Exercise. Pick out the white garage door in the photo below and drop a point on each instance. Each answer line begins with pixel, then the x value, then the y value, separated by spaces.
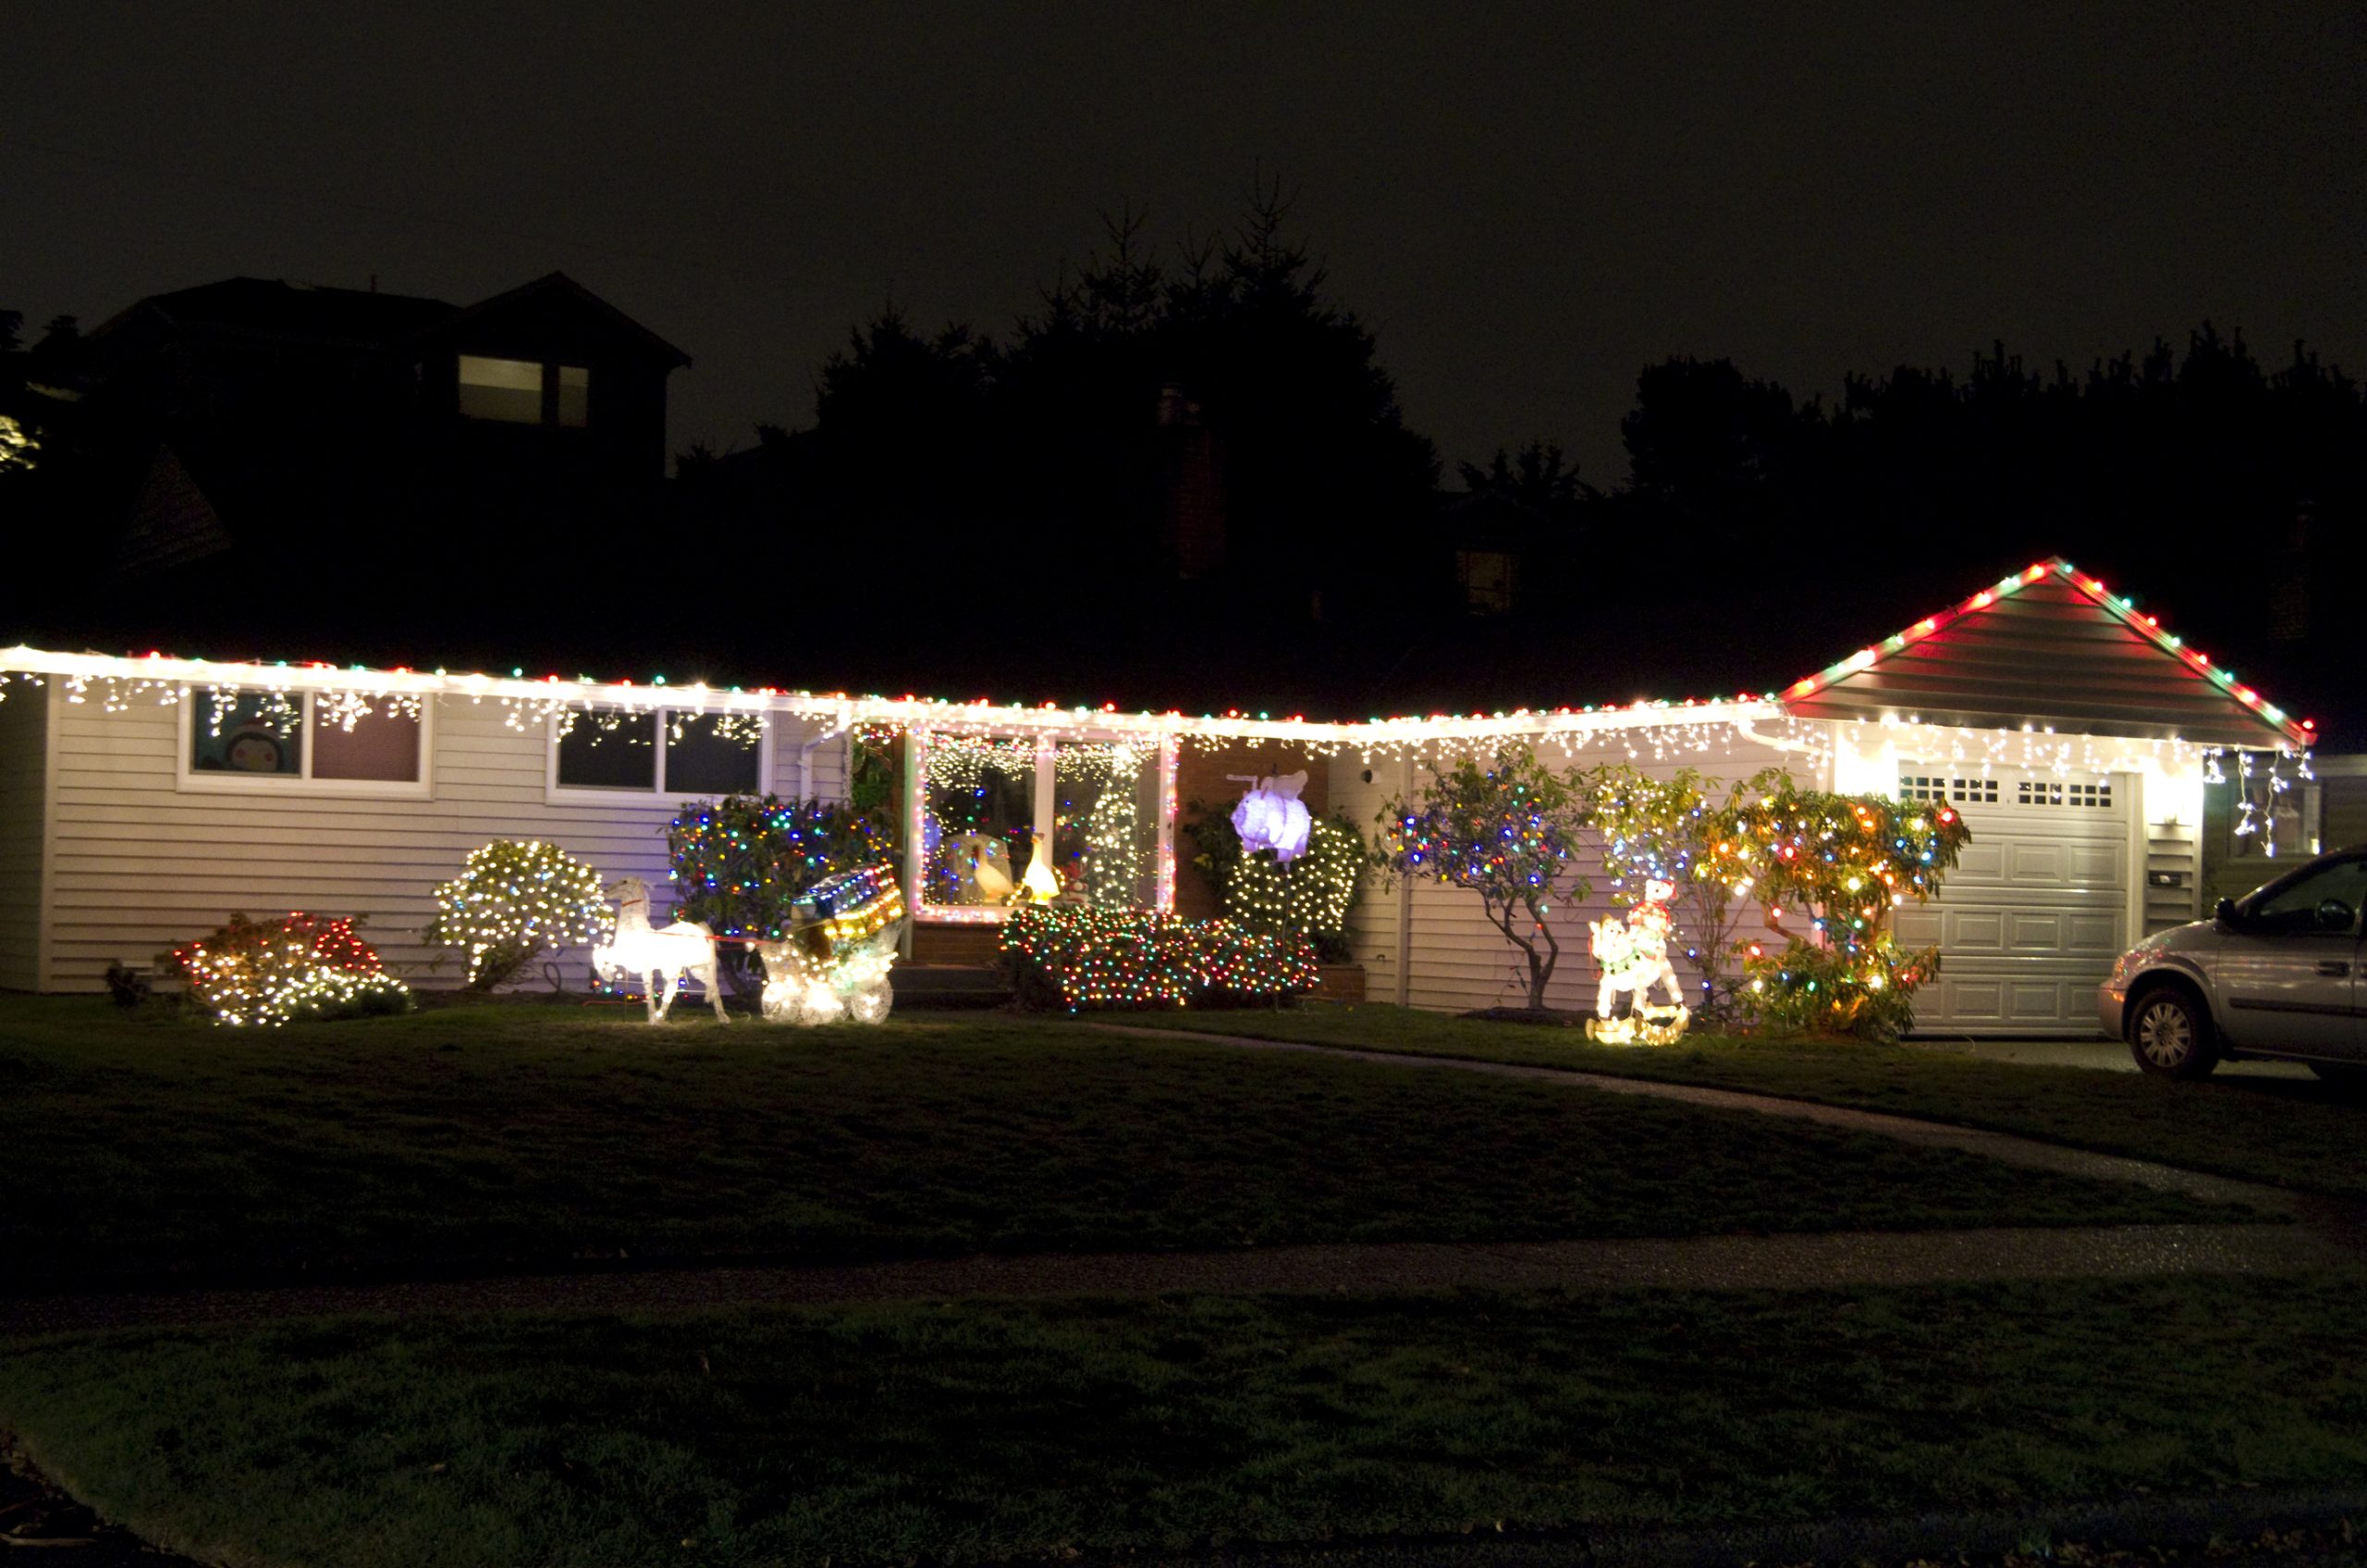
pixel 2034 915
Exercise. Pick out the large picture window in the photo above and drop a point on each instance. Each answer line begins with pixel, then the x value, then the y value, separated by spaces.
pixel 326 742
pixel 668 752
pixel 989 806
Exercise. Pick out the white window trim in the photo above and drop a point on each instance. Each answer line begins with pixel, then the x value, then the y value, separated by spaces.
pixel 192 780
pixel 1162 757
pixel 559 794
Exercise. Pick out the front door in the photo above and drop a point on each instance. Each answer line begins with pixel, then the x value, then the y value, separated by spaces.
pixel 2288 969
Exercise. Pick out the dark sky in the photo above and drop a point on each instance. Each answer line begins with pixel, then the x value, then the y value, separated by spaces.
pixel 1527 202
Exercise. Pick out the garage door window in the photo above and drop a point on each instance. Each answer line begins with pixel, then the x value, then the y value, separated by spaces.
pixel 1939 787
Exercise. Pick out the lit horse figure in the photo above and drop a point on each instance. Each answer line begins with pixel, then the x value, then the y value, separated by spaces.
pixel 658 954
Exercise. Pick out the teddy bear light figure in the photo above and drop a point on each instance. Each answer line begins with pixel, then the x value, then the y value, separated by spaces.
pixel 1632 952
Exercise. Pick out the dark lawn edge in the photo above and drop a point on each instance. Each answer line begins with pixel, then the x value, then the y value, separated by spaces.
pixel 39 1512
pixel 36 1512
pixel 2166 1522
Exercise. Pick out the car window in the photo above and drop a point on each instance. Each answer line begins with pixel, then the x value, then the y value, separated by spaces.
pixel 2303 905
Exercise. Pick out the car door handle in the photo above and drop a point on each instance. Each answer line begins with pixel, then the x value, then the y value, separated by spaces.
pixel 2333 966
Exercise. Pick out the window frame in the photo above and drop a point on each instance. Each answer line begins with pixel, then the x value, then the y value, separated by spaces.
pixel 1164 759
pixel 190 779
pixel 556 793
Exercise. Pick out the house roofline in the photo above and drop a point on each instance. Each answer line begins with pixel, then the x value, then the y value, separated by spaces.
pixel 2301 732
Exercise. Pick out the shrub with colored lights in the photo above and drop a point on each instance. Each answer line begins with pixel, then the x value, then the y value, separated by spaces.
pixel 1667 827
pixel 1311 897
pixel 1828 869
pixel 741 862
pixel 1099 959
pixel 514 900
pixel 292 969
pixel 1505 828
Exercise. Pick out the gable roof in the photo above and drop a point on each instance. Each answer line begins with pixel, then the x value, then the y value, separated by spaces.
pixel 573 293
pixel 2047 646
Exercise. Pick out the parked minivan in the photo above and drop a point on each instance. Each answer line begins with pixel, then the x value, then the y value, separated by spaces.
pixel 2273 973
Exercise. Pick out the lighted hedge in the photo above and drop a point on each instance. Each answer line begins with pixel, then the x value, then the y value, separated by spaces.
pixel 1091 959
pixel 294 968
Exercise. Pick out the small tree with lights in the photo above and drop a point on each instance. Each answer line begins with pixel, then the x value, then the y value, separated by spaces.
pixel 1828 869
pixel 1667 829
pixel 515 900
pixel 1505 828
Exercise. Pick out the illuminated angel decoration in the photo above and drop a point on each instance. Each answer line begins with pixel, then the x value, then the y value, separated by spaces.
pixel 1271 816
pixel 1632 952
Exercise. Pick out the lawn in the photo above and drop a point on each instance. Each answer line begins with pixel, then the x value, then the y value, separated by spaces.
pixel 510 1137
pixel 975 1432
pixel 2292 1133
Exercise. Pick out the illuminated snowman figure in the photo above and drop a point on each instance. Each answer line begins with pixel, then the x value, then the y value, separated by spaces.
pixel 1634 955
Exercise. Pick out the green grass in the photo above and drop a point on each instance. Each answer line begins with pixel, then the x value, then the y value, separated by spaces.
pixel 964 1432
pixel 2292 1133
pixel 497 1137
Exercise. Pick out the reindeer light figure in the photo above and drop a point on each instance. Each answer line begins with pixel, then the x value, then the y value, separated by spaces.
pixel 659 955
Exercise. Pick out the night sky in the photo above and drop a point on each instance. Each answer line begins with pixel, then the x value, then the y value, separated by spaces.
pixel 1528 203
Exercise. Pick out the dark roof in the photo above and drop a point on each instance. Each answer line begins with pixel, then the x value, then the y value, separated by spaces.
pixel 362 318
pixel 559 283
pixel 350 316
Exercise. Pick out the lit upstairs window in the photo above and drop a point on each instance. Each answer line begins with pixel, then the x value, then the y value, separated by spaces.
pixel 525 392
pixel 501 390
pixel 574 395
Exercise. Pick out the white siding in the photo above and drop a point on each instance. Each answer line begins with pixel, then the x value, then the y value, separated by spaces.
pixel 1458 960
pixel 23 782
pixel 139 866
pixel 2173 806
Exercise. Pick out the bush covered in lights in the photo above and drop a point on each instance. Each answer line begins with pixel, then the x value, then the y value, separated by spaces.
pixel 292 969
pixel 1828 869
pixel 1091 959
pixel 514 900
pixel 1311 897
pixel 740 862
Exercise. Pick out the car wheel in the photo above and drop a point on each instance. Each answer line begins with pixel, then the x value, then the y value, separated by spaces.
pixel 2169 1034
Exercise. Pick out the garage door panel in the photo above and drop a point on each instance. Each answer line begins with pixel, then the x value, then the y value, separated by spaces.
pixel 2029 932
pixel 2095 936
pixel 1918 928
pixel 1971 930
pixel 1981 861
pixel 2031 919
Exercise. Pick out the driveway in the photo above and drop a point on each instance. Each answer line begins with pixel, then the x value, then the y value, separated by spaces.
pixel 2106 1055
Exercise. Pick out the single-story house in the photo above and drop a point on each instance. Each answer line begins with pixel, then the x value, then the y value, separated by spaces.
pixel 142 800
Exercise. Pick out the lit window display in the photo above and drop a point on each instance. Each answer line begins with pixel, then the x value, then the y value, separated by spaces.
pixel 988 805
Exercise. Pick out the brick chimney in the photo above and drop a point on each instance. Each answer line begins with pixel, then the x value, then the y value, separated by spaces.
pixel 1192 500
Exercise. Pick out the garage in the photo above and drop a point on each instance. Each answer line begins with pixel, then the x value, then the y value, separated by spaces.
pixel 2038 907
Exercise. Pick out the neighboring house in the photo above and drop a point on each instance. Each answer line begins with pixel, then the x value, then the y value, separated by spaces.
pixel 1500 543
pixel 142 801
pixel 247 411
